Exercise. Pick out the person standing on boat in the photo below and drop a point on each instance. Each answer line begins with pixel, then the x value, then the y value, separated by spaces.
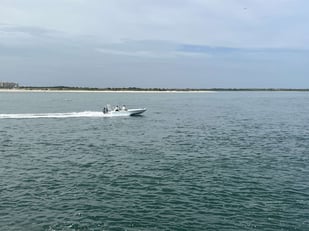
pixel 124 108
pixel 117 108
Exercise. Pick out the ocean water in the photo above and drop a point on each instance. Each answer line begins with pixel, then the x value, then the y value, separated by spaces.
pixel 193 161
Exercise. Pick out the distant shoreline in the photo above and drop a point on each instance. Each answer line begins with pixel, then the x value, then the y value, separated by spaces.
pixel 97 91
pixel 145 90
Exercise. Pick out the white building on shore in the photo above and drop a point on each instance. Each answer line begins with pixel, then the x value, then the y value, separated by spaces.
pixel 8 85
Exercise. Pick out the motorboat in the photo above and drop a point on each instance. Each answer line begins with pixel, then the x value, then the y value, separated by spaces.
pixel 123 111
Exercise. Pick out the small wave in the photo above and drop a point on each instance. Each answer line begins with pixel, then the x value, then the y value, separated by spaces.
pixel 55 115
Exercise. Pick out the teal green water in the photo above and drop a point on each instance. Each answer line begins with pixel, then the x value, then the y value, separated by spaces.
pixel 201 161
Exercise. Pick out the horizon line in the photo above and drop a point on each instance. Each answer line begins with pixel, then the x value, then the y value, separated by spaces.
pixel 158 88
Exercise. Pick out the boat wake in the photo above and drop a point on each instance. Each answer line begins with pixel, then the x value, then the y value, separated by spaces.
pixel 57 115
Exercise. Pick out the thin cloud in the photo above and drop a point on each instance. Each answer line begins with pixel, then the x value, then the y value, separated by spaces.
pixel 232 23
pixel 204 43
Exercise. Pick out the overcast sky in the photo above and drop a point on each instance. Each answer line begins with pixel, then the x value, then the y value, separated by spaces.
pixel 155 43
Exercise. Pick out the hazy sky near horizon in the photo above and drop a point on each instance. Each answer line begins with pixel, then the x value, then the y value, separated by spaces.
pixel 155 43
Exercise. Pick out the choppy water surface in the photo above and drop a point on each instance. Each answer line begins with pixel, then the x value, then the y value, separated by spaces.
pixel 207 161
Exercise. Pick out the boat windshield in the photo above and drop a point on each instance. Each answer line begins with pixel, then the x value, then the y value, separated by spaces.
pixel 109 107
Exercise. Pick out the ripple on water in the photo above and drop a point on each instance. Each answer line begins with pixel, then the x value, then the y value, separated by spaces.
pixel 229 166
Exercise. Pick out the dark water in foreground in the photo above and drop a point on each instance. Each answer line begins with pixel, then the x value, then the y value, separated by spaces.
pixel 219 161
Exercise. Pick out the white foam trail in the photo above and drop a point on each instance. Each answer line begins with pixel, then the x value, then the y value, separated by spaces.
pixel 56 115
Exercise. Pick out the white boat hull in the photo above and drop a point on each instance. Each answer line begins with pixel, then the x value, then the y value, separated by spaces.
pixel 129 112
pixel 136 111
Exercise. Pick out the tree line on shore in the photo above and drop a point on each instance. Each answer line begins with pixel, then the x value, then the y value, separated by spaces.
pixel 11 85
pixel 155 89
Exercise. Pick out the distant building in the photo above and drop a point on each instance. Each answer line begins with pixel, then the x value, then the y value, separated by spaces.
pixel 8 85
